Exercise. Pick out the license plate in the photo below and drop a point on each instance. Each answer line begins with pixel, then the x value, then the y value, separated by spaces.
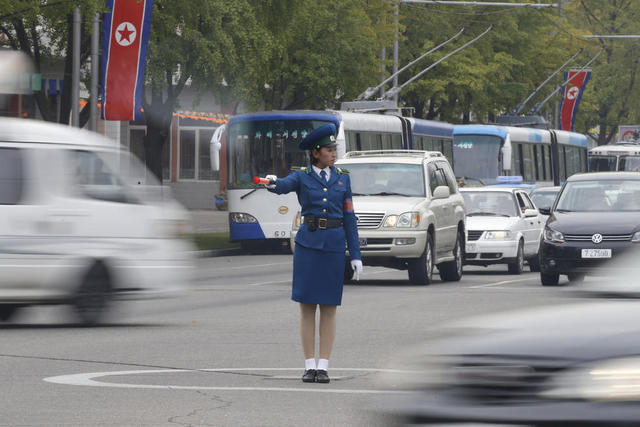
pixel 363 241
pixel 470 247
pixel 596 253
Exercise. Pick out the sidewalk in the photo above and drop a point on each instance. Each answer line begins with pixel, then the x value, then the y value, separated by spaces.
pixel 210 221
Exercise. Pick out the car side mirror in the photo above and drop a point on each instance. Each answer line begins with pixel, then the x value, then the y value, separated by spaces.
pixel 528 213
pixel 441 192
pixel 545 210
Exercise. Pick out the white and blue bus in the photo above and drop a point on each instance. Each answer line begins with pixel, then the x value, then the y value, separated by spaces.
pixel 260 144
pixel 484 153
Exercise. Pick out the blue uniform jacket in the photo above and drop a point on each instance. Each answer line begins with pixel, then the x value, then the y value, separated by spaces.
pixel 323 199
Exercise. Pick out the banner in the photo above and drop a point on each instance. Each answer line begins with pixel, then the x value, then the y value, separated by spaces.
pixel 124 53
pixel 571 97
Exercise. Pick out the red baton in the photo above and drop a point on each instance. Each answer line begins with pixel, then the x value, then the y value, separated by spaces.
pixel 264 181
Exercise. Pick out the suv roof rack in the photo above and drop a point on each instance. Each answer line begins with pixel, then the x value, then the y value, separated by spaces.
pixel 372 153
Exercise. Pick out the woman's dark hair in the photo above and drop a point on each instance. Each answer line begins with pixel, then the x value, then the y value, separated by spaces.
pixel 313 160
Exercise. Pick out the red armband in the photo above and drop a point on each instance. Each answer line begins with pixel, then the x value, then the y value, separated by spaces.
pixel 347 205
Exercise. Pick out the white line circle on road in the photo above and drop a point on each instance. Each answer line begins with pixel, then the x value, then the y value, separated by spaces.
pixel 88 379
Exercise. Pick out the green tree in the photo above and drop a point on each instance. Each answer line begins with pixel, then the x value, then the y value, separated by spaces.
pixel 43 30
pixel 612 95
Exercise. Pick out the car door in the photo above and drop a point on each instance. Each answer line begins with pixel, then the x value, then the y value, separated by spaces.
pixel 530 226
pixel 440 208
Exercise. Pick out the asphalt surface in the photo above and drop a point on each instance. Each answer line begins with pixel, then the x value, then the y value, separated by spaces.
pixel 227 353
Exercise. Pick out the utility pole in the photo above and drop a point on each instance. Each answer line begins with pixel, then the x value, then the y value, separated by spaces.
pixel 395 52
pixel 75 75
pixel 95 72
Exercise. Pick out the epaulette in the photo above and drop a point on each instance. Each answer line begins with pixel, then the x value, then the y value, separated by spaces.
pixel 340 170
pixel 299 168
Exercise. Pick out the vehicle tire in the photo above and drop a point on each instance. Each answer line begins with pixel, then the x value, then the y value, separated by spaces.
pixel 348 271
pixel 421 269
pixel 7 311
pixel 451 271
pixel 534 264
pixel 576 277
pixel 93 296
pixel 549 279
pixel 517 266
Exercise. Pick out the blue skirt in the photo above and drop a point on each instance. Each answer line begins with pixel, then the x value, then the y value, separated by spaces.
pixel 318 276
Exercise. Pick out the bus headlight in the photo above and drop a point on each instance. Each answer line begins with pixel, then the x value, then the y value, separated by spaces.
pixel 406 220
pixel 242 218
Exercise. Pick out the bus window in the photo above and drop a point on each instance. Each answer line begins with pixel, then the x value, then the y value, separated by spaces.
pixel 351 140
pixel 537 161
pixel 602 163
pixel 386 141
pixel 447 149
pixel 527 162
pixel 396 141
pixel 516 159
pixel 629 163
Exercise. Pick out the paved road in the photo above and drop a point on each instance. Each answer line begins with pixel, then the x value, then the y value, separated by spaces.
pixel 228 353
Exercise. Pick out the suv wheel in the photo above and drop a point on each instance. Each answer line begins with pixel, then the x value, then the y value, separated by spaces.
pixel 549 279
pixel 517 265
pixel 451 271
pixel 421 269
pixel 94 295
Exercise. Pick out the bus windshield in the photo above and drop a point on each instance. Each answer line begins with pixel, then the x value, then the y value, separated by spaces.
pixel 268 147
pixel 477 156
pixel 629 163
pixel 602 163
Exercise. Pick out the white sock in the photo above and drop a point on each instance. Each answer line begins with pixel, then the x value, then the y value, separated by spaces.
pixel 323 364
pixel 309 364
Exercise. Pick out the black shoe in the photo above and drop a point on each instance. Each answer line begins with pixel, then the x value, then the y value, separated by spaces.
pixel 309 376
pixel 322 376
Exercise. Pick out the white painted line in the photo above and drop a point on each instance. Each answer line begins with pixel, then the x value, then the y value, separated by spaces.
pixel 88 379
pixel 504 282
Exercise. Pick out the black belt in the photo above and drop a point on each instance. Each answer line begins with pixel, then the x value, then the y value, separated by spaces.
pixel 314 223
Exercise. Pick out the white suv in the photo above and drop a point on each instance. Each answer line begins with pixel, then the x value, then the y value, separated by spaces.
pixel 410 213
pixel 83 223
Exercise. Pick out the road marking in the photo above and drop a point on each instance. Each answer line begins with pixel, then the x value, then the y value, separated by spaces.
pixel 504 282
pixel 88 379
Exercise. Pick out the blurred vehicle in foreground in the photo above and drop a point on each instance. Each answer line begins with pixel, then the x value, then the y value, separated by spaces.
pixel 576 364
pixel 503 227
pixel 595 218
pixel 83 223
pixel 543 197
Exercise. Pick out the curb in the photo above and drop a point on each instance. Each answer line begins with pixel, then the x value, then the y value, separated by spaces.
pixel 219 252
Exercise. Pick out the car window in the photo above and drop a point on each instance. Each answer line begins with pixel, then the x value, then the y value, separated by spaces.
pixel 94 179
pixel 11 176
pixel 522 202
pixel 449 176
pixel 543 199
pixel 527 199
pixel 489 203
pixel 436 177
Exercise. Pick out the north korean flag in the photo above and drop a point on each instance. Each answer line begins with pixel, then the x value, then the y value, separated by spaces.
pixel 577 80
pixel 124 53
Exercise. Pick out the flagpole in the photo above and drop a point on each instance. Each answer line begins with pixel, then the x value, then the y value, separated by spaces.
pixel 95 72
pixel 75 76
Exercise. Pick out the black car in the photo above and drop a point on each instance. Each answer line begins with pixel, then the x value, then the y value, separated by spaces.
pixel 568 365
pixel 595 218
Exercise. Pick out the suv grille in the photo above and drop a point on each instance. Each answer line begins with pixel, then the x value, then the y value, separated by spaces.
pixel 500 380
pixel 474 234
pixel 605 237
pixel 369 219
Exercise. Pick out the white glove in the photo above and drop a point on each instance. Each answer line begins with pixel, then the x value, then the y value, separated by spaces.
pixel 272 178
pixel 356 264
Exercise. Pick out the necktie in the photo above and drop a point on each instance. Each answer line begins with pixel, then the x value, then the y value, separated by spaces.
pixel 323 174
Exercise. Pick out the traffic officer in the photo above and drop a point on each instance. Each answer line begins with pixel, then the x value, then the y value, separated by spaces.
pixel 324 193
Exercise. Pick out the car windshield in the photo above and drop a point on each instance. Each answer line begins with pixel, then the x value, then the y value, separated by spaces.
pixel 489 203
pixel 544 199
pixel 373 179
pixel 604 195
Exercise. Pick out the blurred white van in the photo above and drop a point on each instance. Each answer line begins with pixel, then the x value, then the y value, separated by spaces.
pixel 83 223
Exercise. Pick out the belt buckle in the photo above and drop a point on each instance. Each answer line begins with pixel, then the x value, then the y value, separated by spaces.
pixel 322 223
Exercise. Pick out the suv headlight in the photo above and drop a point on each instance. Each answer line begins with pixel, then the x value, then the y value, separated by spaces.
pixel 242 218
pixel 553 236
pixel 636 237
pixel 497 235
pixel 607 380
pixel 406 220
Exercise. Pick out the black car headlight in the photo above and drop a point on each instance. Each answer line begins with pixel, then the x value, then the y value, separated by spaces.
pixel 607 380
pixel 553 236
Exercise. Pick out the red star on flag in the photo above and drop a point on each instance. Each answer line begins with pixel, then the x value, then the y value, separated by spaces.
pixel 124 34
